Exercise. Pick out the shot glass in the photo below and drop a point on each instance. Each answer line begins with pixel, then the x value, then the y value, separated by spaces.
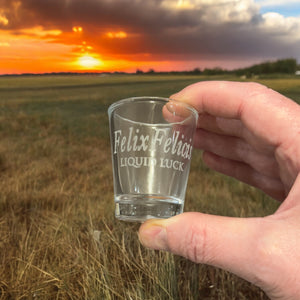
pixel 151 145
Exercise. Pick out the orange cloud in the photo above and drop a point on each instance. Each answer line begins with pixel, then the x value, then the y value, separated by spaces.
pixel 117 35
pixel 39 31
pixel 3 20
pixel 4 44
pixel 24 53
pixel 77 29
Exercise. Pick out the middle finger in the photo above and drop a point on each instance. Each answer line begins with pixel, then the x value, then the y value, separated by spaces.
pixel 237 149
pixel 233 128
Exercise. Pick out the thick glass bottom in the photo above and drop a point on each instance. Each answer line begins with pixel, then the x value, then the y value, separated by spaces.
pixel 139 208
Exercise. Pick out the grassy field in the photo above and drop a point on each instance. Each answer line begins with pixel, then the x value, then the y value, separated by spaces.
pixel 58 235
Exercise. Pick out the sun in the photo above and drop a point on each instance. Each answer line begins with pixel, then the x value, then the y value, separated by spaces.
pixel 89 62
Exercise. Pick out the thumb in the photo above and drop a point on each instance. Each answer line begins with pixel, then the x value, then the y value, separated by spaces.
pixel 227 243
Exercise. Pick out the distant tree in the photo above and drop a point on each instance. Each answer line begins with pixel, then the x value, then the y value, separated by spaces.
pixel 214 71
pixel 196 71
pixel 139 72
pixel 287 66
pixel 151 71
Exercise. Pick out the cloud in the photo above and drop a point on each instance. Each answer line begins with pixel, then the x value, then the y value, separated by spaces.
pixel 4 44
pixel 162 29
pixel 273 3
pixel 277 24
pixel 3 19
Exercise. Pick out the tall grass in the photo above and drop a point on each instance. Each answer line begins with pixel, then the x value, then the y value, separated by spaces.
pixel 58 235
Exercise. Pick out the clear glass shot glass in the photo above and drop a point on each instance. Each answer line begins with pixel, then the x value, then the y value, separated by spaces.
pixel 151 144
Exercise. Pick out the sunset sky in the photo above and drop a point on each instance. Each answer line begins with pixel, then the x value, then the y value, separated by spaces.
pixel 38 36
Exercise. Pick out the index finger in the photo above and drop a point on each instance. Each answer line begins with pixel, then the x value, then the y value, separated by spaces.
pixel 266 113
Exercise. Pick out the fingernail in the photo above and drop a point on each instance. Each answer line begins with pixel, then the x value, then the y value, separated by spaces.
pixel 153 235
pixel 170 107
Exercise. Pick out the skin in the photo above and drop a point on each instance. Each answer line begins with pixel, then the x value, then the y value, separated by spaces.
pixel 251 133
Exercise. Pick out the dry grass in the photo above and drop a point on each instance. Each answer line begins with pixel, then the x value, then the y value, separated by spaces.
pixel 58 236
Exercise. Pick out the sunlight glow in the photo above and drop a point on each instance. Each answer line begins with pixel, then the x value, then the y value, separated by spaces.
pixel 4 44
pixel 89 62
pixel 184 4
pixel 77 29
pixel 85 47
pixel 3 20
pixel 117 35
pixel 39 31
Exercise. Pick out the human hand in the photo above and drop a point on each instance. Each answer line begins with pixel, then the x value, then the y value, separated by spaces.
pixel 253 134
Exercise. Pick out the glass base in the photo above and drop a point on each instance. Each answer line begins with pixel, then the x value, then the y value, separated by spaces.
pixel 139 208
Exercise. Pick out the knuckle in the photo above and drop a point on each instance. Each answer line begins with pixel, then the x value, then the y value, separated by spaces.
pixel 255 89
pixel 196 245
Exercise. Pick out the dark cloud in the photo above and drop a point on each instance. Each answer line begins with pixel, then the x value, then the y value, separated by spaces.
pixel 131 14
pixel 224 29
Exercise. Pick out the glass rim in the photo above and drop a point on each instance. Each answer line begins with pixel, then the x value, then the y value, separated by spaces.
pixel 116 104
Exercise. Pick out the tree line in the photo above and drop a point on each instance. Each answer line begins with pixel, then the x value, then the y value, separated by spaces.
pixel 283 66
